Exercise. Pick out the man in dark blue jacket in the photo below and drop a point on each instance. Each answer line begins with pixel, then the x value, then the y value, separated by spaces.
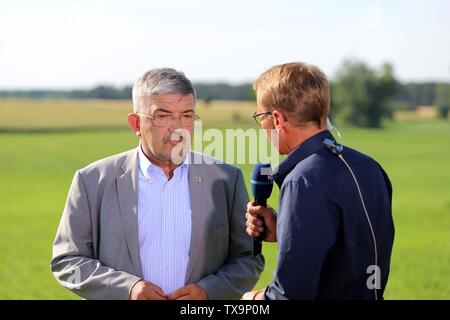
pixel 334 227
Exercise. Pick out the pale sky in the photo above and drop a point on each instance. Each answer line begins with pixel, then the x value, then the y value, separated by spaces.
pixel 64 44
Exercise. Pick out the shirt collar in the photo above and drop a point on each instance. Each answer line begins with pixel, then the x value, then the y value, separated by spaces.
pixel 146 166
pixel 304 150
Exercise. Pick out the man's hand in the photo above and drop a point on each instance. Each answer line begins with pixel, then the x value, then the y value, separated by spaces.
pixel 190 292
pixel 255 216
pixel 254 295
pixel 144 290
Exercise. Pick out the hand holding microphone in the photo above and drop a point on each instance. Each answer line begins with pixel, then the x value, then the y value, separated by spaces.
pixel 261 221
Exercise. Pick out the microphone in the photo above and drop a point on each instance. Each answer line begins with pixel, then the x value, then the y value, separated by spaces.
pixel 261 185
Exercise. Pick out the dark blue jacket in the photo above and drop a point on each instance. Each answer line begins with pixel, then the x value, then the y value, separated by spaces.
pixel 324 241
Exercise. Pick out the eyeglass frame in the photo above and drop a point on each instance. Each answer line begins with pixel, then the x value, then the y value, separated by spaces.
pixel 256 115
pixel 173 118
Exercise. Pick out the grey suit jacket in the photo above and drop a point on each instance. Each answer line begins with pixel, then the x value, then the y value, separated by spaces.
pixel 96 251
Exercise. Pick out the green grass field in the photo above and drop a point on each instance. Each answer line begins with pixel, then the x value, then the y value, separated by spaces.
pixel 42 143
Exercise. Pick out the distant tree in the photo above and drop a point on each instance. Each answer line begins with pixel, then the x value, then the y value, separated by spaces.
pixel 334 108
pixel 105 92
pixel 443 100
pixel 363 96
pixel 251 94
pixel 207 100
pixel 223 91
pixel 417 94
pixel 126 92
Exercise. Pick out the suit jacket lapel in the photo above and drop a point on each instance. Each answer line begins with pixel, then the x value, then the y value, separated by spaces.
pixel 127 185
pixel 197 188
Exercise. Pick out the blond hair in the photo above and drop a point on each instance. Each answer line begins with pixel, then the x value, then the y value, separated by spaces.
pixel 299 89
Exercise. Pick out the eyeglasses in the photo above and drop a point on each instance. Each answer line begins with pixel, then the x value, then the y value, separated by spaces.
pixel 166 120
pixel 258 117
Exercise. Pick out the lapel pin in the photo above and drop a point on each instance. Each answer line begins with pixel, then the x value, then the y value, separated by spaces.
pixel 198 179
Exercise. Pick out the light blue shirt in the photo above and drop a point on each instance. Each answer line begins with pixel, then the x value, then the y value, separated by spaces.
pixel 164 224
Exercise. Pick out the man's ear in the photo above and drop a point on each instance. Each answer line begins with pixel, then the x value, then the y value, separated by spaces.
pixel 134 124
pixel 278 119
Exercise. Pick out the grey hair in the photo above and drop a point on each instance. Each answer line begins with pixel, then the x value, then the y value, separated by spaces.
pixel 160 81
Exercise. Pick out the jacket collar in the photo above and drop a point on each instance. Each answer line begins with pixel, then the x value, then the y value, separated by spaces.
pixel 303 151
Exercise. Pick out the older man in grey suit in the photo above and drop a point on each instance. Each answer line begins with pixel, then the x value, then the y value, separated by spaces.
pixel 153 222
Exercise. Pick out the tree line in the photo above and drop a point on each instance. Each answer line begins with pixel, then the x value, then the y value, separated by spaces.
pixel 408 96
pixel 360 95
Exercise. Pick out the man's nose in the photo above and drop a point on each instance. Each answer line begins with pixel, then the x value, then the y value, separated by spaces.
pixel 176 122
